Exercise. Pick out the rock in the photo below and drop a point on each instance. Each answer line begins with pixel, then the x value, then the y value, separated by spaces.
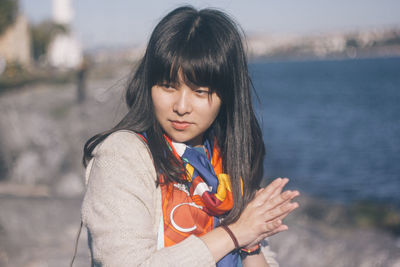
pixel 27 168
pixel 318 238
pixel 70 185
pixel 41 231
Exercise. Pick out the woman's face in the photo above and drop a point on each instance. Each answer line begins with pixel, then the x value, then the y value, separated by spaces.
pixel 184 112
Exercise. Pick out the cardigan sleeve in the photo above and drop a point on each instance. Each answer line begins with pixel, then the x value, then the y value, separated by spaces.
pixel 121 206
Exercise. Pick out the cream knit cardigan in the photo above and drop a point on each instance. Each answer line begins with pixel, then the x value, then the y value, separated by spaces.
pixel 122 210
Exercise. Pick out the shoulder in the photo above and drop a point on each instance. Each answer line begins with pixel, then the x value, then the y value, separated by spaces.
pixel 121 150
pixel 121 141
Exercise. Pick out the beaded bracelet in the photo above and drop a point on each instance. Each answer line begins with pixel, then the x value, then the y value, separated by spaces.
pixel 251 251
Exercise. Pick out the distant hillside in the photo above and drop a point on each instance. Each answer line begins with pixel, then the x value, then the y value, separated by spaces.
pixel 361 44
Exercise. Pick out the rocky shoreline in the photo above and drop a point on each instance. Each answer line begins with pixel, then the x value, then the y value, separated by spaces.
pixel 41 231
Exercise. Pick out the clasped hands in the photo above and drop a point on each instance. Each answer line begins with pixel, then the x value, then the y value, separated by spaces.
pixel 263 216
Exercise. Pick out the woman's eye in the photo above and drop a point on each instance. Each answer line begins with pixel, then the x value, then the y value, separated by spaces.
pixel 202 92
pixel 167 86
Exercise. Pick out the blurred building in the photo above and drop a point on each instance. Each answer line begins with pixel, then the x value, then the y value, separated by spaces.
pixel 15 43
pixel 65 50
pixel 62 12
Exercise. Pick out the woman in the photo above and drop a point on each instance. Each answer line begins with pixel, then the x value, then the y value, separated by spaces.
pixel 176 182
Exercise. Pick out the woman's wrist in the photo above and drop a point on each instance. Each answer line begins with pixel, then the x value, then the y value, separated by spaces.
pixel 240 236
pixel 218 242
pixel 243 251
pixel 232 235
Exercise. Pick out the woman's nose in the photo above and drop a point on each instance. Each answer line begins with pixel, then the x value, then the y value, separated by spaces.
pixel 182 104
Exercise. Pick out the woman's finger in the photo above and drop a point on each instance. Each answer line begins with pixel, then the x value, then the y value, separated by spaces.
pixel 280 210
pixel 266 194
pixel 281 199
pixel 272 225
pixel 280 188
pixel 281 228
pixel 283 216
pixel 258 192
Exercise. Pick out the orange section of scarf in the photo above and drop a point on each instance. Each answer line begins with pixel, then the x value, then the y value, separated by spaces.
pixel 185 214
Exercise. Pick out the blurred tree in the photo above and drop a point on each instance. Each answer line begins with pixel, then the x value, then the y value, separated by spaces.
pixel 393 38
pixel 8 13
pixel 42 34
pixel 352 42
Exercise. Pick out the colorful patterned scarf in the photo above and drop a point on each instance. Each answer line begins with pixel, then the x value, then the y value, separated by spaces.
pixel 194 208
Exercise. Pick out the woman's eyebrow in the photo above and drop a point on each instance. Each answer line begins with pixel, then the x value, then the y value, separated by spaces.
pixel 203 88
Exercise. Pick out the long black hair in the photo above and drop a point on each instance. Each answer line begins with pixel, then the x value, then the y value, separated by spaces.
pixel 205 47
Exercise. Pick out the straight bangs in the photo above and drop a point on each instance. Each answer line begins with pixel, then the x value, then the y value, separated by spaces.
pixel 196 62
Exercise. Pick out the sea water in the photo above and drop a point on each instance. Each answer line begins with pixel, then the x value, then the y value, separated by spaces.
pixel 332 127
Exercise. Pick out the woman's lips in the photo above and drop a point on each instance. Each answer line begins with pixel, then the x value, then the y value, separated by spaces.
pixel 180 125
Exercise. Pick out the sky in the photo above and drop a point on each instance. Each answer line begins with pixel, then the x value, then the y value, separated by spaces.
pixel 116 23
